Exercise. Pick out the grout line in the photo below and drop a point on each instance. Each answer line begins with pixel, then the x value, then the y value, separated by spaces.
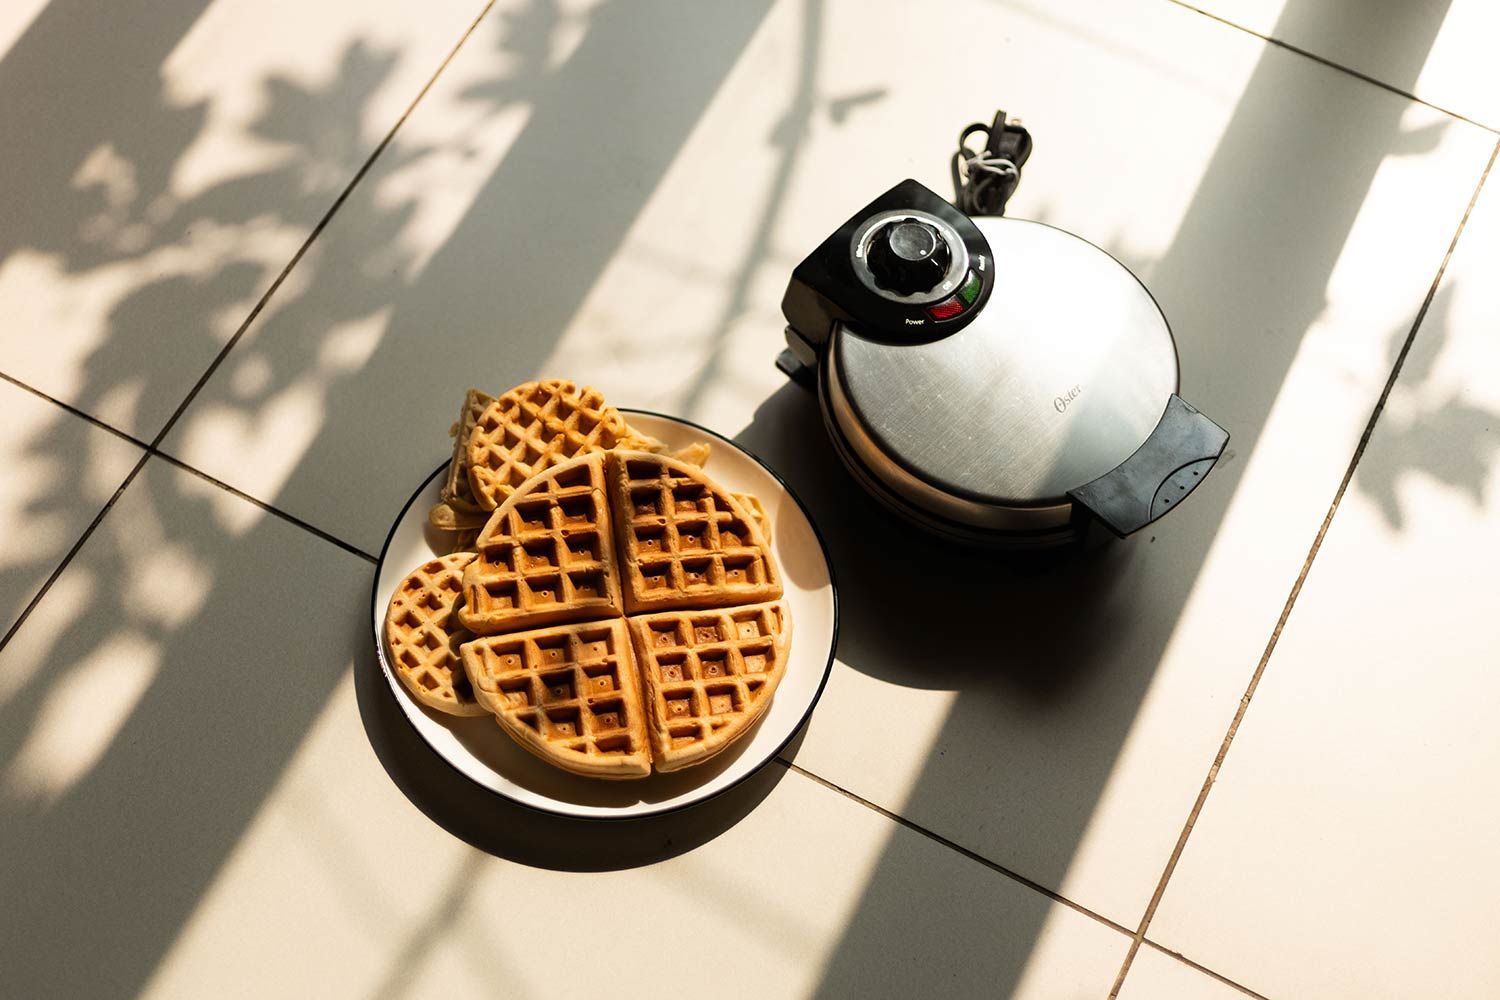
pixel 1333 65
pixel 68 558
pixel 75 411
pixel 152 450
pixel 331 539
pixel 1312 553
pixel 317 230
pixel 1205 970
pixel 939 838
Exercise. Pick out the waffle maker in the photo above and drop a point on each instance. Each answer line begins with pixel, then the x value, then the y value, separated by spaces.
pixel 993 380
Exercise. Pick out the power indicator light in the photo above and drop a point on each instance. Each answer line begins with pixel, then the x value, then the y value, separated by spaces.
pixel 946 309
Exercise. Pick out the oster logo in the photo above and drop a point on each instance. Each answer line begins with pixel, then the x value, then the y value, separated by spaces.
pixel 1060 403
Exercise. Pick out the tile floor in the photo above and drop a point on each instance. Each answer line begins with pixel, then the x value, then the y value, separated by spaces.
pixel 250 255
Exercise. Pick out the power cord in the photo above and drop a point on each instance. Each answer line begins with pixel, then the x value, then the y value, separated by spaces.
pixel 984 180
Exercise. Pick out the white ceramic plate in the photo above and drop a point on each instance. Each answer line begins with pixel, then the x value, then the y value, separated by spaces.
pixel 481 751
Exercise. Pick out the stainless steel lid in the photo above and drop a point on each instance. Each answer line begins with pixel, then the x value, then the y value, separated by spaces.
pixel 1062 376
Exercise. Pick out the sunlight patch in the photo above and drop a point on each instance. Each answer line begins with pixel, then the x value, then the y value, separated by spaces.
pixel 349 345
pixel 15 17
pixel 32 648
pixel 80 717
pixel 251 376
pixel 271 440
pixel 30 530
pixel 167 585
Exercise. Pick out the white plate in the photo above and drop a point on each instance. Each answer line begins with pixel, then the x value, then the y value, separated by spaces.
pixel 481 751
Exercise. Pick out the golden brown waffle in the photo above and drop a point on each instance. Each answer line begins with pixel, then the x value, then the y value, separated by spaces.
pixel 424 635
pixel 569 694
pixel 546 556
pixel 458 510
pixel 535 426
pixel 566 673
pixel 683 541
pixel 709 675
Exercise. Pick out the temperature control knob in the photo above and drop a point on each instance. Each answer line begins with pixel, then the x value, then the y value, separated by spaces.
pixel 908 257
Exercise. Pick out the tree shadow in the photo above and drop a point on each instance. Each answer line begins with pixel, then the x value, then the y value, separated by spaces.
pixel 222 613
pixel 1428 429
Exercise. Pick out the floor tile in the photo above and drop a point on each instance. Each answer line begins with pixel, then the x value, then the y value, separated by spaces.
pixel 1156 976
pixel 187 784
pixel 1060 719
pixel 178 154
pixel 60 470
pixel 151 702
pixel 1439 50
pixel 1347 849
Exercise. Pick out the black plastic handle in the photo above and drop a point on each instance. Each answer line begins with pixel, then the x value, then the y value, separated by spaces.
pixel 1159 475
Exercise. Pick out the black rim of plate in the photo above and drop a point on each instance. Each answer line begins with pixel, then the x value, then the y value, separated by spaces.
pixel 833 643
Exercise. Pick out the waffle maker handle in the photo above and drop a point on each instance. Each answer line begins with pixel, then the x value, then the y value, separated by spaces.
pixel 1159 475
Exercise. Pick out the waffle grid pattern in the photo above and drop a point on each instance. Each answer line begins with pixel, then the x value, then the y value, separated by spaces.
pixel 572 688
pixel 424 636
pixel 708 674
pixel 684 541
pixel 546 557
pixel 533 427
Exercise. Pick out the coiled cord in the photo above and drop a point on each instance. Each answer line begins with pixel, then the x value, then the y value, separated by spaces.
pixel 984 180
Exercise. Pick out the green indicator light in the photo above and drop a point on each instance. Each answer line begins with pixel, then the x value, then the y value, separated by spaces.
pixel 970 290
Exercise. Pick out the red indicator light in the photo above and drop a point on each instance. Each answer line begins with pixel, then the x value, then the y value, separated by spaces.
pixel 946 309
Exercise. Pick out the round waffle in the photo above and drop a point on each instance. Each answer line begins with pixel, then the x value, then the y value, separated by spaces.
pixel 628 615
pixel 424 635
pixel 537 425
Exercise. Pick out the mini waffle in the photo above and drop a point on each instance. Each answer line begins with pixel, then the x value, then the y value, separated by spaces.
pixel 569 694
pixel 535 426
pixel 424 636
pixel 683 541
pixel 709 675
pixel 546 556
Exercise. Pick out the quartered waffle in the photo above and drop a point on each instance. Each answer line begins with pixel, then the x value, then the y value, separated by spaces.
pixel 424 636
pixel 708 676
pixel 545 557
pixel 535 426
pixel 684 542
pixel 584 524
pixel 569 694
